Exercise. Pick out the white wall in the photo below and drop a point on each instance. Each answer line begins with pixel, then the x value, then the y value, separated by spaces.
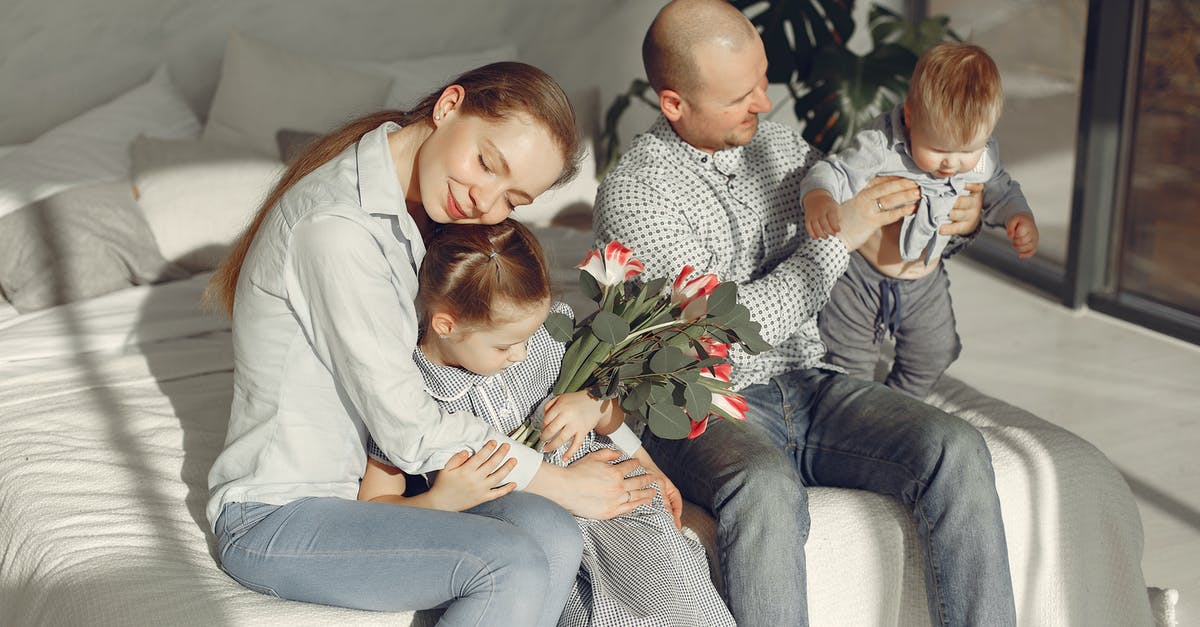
pixel 62 57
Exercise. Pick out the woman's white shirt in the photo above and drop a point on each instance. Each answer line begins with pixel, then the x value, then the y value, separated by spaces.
pixel 324 327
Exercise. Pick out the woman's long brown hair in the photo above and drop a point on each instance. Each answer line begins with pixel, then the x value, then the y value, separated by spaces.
pixel 493 91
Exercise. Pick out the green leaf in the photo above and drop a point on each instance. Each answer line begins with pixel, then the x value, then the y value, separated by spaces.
pixel 752 340
pixel 660 392
pixel 792 29
pixel 589 286
pixel 722 299
pixel 611 390
pixel 560 326
pixel 636 397
pixel 609 327
pixel 696 399
pixel 668 359
pixel 667 421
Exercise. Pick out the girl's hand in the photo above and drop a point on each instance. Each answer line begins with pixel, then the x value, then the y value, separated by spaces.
pixel 468 480
pixel 569 418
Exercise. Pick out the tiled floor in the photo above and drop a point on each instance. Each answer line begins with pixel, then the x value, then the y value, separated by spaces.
pixel 1132 393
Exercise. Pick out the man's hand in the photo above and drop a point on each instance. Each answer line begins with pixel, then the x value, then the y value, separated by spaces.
pixel 1023 232
pixel 884 201
pixel 966 213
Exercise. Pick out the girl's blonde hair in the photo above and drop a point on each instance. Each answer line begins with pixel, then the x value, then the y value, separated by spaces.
pixel 956 88
pixel 495 92
pixel 471 271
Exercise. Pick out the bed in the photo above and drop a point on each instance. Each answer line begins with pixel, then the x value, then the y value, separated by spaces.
pixel 115 387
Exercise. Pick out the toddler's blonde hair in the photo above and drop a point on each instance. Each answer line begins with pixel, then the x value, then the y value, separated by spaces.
pixel 956 89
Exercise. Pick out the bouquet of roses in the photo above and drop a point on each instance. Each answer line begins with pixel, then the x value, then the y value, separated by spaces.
pixel 663 354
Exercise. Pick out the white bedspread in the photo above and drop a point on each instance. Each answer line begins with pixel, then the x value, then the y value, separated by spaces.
pixel 112 410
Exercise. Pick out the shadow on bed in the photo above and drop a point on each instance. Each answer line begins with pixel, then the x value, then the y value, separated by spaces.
pixel 129 437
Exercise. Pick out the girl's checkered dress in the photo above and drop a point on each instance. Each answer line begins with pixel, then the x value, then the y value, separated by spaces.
pixel 637 569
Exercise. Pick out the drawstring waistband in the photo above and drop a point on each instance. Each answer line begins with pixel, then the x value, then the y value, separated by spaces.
pixel 887 319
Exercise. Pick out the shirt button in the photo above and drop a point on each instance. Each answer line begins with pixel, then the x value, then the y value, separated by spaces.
pixel 703 159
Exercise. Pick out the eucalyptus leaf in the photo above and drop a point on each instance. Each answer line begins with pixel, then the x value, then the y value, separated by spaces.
pixel 560 326
pixel 636 397
pixel 722 299
pixel 589 286
pixel 668 359
pixel 609 327
pixel 667 421
pixel 697 398
pixel 752 340
pixel 660 392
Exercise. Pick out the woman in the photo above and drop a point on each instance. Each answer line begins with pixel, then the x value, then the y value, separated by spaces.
pixel 321 288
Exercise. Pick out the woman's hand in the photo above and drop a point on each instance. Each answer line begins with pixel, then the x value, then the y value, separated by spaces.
pixel 670 493
pixel 593 486
pixel 468 480
pixel 569 418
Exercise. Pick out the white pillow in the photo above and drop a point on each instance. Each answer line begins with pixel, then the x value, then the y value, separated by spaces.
pixel 569 205
pixel 94 146
pixel 264 88
pixel 413 79
pixel 198 196
pixel 4 150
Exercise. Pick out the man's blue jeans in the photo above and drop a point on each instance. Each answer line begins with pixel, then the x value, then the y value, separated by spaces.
pixel 508 562
pixel 820 428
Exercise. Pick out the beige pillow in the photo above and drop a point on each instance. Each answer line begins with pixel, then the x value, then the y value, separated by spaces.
pixel 198 196
pixel 264 88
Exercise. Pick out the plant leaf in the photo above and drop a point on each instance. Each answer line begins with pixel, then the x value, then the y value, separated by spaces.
pixel 696 399
pixel 722 299
pixel 609 327
pixel 667 421
pixel 560 326
pixel 668 359
pixel 589 286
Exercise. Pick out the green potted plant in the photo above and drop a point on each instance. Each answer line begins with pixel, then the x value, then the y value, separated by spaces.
pixel 833 91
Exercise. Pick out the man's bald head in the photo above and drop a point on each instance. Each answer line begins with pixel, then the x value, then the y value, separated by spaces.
pixel 677 33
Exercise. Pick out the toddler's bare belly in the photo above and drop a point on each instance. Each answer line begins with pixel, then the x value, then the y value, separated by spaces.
pixel 882 251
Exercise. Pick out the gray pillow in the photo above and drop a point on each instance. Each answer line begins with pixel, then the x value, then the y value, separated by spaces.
pixel 78 243
pixel 292 143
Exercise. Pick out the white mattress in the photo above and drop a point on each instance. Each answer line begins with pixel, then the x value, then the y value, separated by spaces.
pixel 112 410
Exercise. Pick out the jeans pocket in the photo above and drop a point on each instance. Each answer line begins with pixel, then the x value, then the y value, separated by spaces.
pixel 238 518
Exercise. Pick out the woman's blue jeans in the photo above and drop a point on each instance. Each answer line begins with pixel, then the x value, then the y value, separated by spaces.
pixel 508 562
pixel 820 428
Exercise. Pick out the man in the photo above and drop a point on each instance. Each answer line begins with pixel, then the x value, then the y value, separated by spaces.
pixel 711 186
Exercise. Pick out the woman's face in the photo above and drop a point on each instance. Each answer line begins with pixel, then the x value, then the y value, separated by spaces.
pixel 473 170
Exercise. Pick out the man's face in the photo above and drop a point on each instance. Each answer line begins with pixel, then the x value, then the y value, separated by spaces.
pixel 732 90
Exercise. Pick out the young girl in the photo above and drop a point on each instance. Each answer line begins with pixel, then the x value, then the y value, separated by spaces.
pixel 484 294
pixel 321 288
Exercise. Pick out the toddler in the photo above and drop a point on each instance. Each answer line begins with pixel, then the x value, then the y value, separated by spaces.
pixel 940 137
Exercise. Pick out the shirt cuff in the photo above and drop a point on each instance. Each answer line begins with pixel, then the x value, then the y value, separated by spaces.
pixel 529 462
pixel 626 439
